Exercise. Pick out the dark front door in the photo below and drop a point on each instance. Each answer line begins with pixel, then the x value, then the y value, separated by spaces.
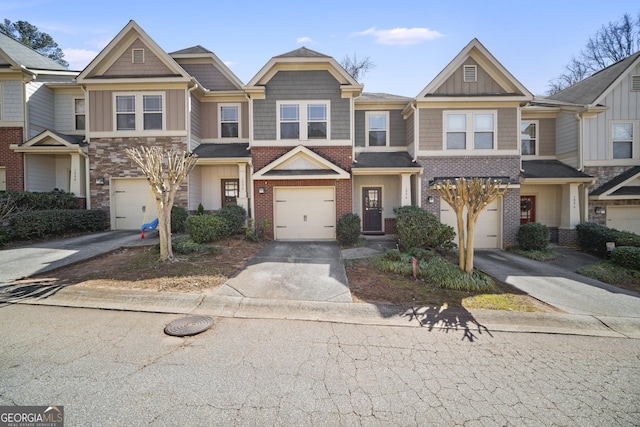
pixel 372 209
pixel 527 209
pixel 230 191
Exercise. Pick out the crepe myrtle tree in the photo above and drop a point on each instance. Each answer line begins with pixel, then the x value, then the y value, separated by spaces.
pixel 473 194
pixel 165 171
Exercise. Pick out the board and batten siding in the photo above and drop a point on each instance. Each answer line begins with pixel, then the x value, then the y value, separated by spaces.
pixel 396 125
pixel 567 131
pixel 101 109
pixel 124 66
pixel 623 104
pixel 431 130
pixel 301 86
pixel 484 85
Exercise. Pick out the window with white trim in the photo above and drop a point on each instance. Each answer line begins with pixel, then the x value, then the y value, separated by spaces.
pixel 622 139
pixel 303 120
pixel 139 111
pixel 470 130
pixel 229 121
pixel 377 134
pixel 529 137
pixel 79 113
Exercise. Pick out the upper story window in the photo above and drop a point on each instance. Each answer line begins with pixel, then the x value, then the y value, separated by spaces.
pixel 622 138
pixel 529 138
pixel 303 120
pixel 229 121
pixel 139 111
pixel 79 113
pixel 377 134
pixel 473 130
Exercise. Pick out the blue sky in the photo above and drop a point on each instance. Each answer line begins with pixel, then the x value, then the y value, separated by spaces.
pixel 409 41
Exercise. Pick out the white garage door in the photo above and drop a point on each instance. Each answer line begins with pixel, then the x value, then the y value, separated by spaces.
pixel 488 226
pixel 625 218
pixel 130 199
pixel 305 213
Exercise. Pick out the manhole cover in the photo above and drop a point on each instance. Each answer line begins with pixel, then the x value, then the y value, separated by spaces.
pixel 187 326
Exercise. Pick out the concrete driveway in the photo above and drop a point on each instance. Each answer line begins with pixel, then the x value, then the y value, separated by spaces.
pixel 310 271
pixel 557 284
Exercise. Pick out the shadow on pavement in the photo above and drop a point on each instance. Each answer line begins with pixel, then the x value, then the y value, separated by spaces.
pixel 16 292
pixel 450 319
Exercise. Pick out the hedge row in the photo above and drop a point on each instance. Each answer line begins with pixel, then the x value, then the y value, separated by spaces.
pixel 533 236
pixel 417 228
pixel 594 238
pixel 627 256
pixel 46 223
pixel 209 228
pixel 27 201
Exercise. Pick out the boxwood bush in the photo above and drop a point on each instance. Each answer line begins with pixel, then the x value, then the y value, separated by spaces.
pixel 533 236
pixel 235 217
pixel 207 228
pixel 47 223
pixel 417 228
pixel 27 201
pixel 178 219
pixel 594 237
pixel 348 230
pixel 626 256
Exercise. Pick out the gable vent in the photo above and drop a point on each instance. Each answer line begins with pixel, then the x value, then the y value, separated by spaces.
pixel 137 56
pixel 470 73
pixel 635 83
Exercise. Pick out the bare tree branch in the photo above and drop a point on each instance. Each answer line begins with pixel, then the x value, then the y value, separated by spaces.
pixel 358 68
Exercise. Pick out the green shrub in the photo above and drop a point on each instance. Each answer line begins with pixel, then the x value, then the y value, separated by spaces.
pixel 348 229
pixel 235 217
pixel 207 228
pixel 184 245
pixel 421 254
pixel 4 236
pixel 626 256
pixel 28 201
pixel 533 236
pixel 200 210
pixel 47 223
pixel 178 219
pixel 417 228
pixel 446 275
pixel 593 238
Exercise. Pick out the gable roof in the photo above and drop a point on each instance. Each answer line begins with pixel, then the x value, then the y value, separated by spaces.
pixel 489 64
pixel 192 59
pixel 302 52
pixel 301 163
pixel 552 169
pixel 120 43
pixel 618 185
pixel 592 89
pixel 52 142
pixel 17 55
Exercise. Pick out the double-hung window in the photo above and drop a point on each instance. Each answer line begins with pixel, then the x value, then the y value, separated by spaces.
pixel 79 113
pixel 622 137
pixel 377 129
pixel 303 120
pixel 529 138
pixel 229 121
pixel 139 112
pixel 474 130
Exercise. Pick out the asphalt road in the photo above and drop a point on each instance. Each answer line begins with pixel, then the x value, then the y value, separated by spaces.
pixel 114 368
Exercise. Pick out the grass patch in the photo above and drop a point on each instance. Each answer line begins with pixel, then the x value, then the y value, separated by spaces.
pixel 547 254
pixel 501 301
pixel 608 272
pixel 361 243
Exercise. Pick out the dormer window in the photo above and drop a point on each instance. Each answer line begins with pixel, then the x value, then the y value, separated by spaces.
pixel 137 56
pixel 470 73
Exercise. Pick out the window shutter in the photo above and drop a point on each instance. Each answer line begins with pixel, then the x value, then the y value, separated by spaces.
pixel 635 83
pixel 137 56
pixel 470 73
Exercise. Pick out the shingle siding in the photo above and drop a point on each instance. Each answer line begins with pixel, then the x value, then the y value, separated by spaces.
pixel 11 101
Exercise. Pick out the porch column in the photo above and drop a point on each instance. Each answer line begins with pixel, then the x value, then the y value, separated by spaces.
pixel 242 199
pixel 77 179
pixel 405 195
pixel 570 216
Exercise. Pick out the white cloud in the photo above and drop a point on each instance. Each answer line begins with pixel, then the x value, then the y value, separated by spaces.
pixel 78 58
pixel 401 36
pixel 301 40
pixel 229 63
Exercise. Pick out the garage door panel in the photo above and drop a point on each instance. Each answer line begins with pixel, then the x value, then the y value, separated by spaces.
pixel 133 204
pixel 626 218
pixel 304 213
pixel 487 226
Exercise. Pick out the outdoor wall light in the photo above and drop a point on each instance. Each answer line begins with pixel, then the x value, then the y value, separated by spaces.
pixel 100 181
pixel 600 210
pixel 430 199
pixel 261 190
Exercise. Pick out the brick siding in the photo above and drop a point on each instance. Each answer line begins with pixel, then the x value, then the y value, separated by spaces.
pixel 12 161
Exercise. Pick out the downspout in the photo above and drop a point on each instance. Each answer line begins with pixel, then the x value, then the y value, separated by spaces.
pixel 87 140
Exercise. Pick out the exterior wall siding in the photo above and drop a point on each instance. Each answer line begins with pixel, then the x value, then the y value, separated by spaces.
pixel 484 85
pixel 124 66
pixel 108 160
pixel 196 122
pixel 567 138
pixel 11 161
pixel 397 129
pixel 430 129
pixel 64 114
pixel 301 86
pixel 547 137
pixel 40 171
pixel 12 101
pixel 40 101
pixel 176 109
pixel 101 110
